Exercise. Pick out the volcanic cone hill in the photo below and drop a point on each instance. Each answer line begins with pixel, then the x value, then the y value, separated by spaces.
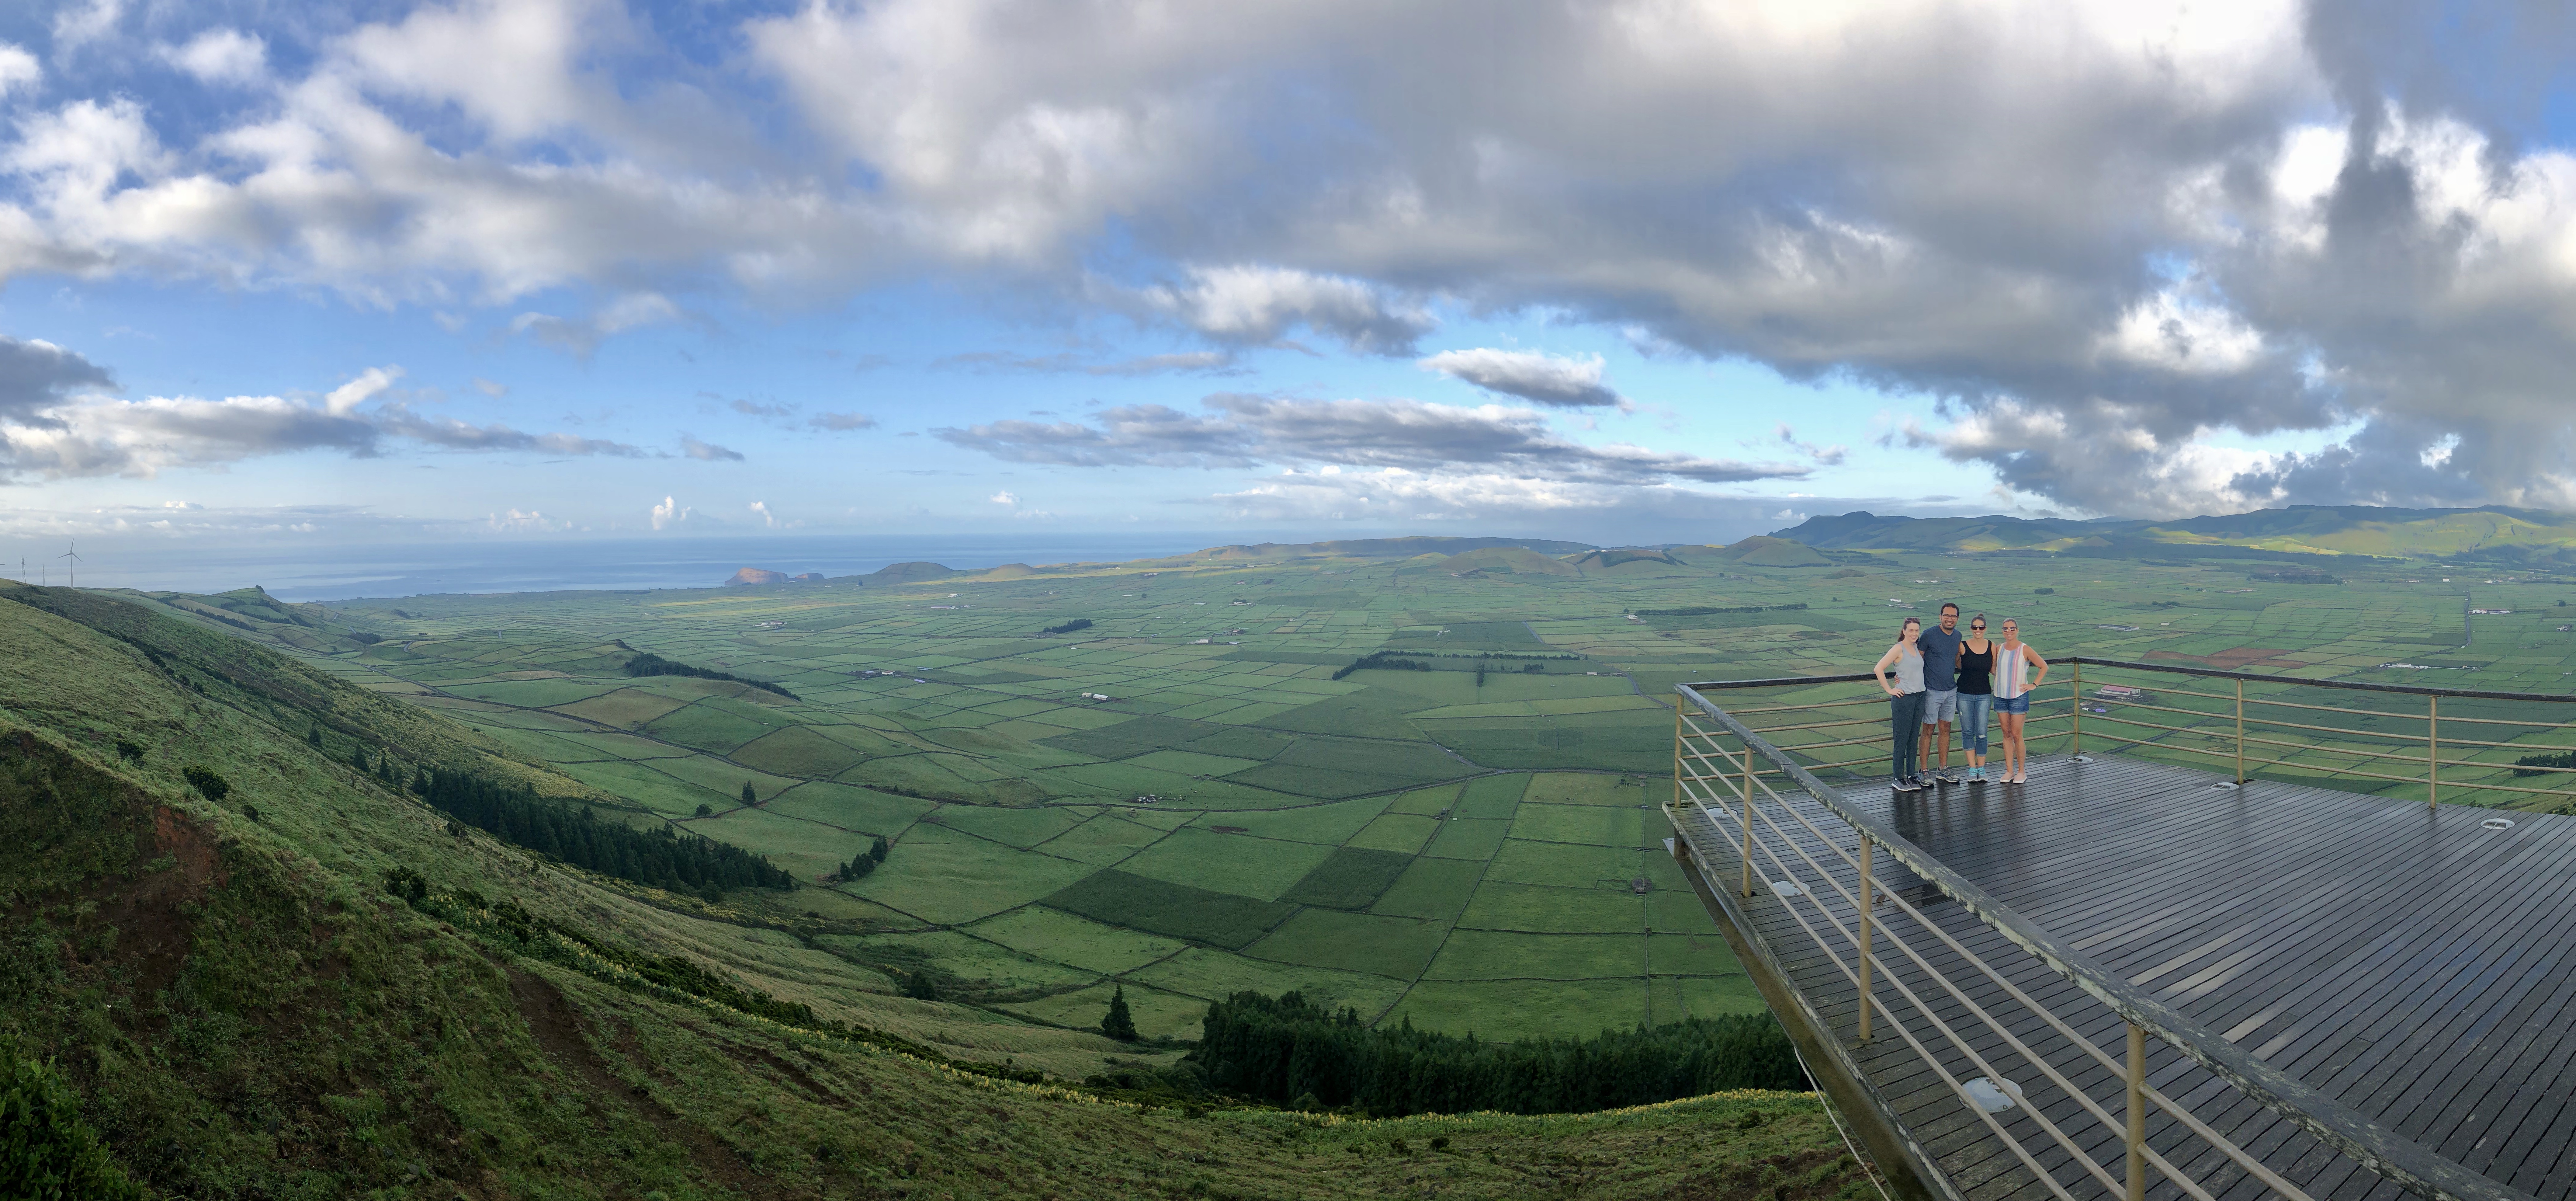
pixel 260 962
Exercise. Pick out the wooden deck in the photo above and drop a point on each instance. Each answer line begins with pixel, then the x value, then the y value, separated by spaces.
pixel 2414 966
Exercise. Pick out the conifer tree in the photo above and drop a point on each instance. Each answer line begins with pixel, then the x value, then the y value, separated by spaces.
pixel 314 738
pixel 877 850
pixel 750 795
pixel 1119 1024
pixel 358 758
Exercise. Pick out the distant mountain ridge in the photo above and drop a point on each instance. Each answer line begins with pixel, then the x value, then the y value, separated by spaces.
pixel 2488 532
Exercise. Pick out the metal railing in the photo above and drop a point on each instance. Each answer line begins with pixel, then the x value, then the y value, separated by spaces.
pixel 1968 1018
pixel 2391 739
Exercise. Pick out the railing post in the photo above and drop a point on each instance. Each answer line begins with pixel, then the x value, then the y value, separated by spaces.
pixel 1678 747
pixel 1744 805
pixel 2240 731
pixel 1864 936
pixel 2075 745
pixel 2433 752
pixel 2137 1113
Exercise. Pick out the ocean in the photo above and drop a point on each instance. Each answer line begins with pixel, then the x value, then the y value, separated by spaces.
pixel 350 572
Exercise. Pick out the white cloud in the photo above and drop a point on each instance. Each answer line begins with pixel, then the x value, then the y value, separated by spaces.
pixel 1242 431
pixel 58 420
pixel 220 56
pixel 1260 304
pixel 1004 498
pixel 2156 224
pixel 2185 336
pixel 767 518
pixel 584 335
pixel 76 25
pixel 668 513
pixel 1552 380
pixel 370 384
pixel 1828 456
pixel 513 521
pixel 707 452
pixel 19 70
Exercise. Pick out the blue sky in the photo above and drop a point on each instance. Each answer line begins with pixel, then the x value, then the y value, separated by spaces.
pixel 1640 272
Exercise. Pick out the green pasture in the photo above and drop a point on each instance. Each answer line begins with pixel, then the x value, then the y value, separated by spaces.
pixel 1304 831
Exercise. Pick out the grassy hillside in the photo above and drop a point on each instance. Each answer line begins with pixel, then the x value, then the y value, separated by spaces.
pixel 318 987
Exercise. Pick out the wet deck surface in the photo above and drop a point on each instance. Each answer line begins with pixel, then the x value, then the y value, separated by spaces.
pixel 2413 965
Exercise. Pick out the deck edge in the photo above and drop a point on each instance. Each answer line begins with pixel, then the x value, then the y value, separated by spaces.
pixel 1909 1167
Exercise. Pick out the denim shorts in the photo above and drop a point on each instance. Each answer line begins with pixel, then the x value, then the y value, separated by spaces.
pixel 1940 706
pixel 2013 704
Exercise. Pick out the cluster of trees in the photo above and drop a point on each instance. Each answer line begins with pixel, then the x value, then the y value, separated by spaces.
pixel 864 862
pixel 1288 1050
pixel 650 664
pixel 662 857
pixel 1382 661
pixel 1526 668
pixel 1079 623
pixel 1706 610
pixel 2557 759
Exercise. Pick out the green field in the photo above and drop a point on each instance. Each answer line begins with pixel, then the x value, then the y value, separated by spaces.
pixel 1456 846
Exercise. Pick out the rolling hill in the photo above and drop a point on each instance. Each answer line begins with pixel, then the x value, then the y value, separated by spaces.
pixel 248 958
pixel 2303 530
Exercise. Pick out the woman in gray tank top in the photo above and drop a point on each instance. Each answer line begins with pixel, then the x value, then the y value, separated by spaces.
pixel 1904 701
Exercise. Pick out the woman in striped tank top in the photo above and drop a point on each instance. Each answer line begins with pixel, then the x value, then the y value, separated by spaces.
pixel 2014 680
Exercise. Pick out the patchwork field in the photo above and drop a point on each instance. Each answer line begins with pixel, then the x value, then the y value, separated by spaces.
pixel 1424 792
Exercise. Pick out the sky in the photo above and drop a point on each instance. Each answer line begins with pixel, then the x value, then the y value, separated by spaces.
pixel 1618 271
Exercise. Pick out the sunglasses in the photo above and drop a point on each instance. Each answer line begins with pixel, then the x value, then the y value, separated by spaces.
pixel 1979 626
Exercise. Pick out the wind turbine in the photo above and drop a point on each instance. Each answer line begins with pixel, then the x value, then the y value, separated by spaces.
pixel 72 567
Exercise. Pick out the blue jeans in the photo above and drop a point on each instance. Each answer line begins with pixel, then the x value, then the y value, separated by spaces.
pixel 1972 720
pixel 1906 714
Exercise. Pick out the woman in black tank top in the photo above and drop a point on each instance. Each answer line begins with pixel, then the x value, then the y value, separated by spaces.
pixel 1976 694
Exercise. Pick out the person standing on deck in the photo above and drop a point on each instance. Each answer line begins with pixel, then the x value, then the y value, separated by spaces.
pixel 1940 649
pixel 2014 681
pixel 1904 702
pixel 1976 695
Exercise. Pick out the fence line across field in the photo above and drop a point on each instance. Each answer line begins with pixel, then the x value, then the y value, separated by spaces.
pixel 1941 996
pixel 2242 732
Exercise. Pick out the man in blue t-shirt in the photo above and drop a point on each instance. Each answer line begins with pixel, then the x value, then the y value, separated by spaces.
pixel 1940 647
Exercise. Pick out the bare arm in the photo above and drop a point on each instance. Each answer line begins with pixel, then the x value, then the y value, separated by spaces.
pixel 2031 654
pixel 1880 668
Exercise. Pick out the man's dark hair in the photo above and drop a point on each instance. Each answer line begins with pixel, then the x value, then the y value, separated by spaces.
pixel 1949 606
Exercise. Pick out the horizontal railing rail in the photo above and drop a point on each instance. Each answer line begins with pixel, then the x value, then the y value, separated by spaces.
pixel 1724 769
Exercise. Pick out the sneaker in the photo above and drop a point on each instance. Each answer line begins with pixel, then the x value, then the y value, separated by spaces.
pixel 1902 784
pixel 1976 775
pixel 1947 776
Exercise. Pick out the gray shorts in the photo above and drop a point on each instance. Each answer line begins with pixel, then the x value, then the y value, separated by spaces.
pixel 1939 707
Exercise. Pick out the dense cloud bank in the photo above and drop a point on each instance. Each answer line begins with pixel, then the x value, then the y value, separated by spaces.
pixel 2106 234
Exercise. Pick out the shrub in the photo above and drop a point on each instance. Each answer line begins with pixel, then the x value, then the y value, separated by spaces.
pixel 705 810
pixel 209 785
pixel 750 795
pixel 920 987
pixel 2044 591
pixel 406 885
pixel 128 751
pixel 46 1151
pixel 1079 623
